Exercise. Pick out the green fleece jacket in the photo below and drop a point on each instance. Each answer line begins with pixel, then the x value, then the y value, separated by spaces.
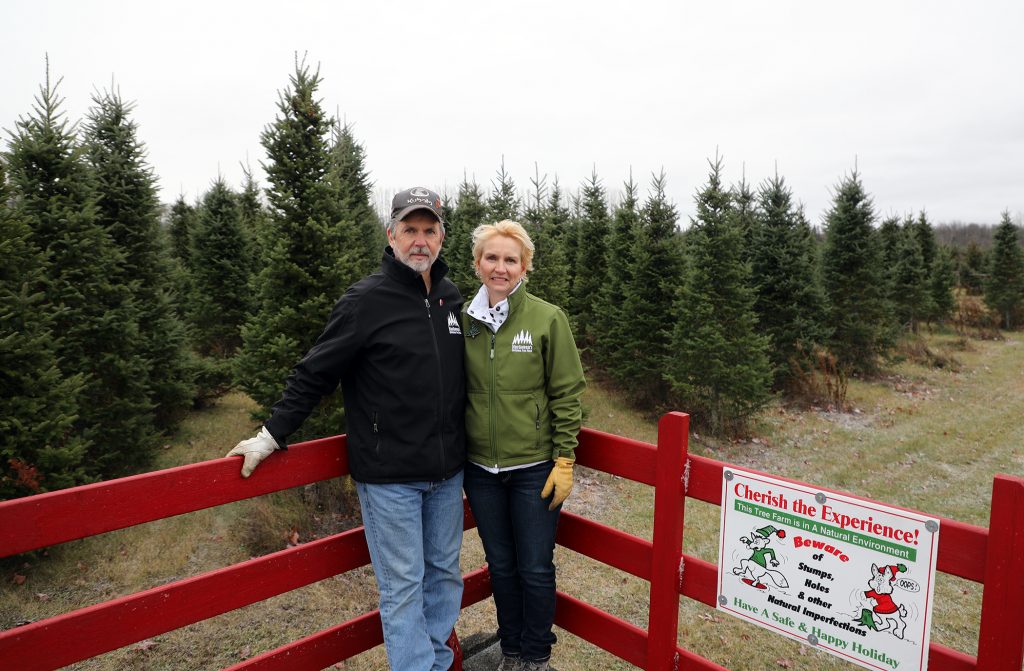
pixel 523 384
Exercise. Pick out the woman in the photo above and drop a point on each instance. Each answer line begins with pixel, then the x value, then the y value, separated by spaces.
pixel 523 413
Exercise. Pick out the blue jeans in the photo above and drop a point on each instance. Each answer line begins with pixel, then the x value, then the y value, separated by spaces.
pixel 414 533
pixel 518 533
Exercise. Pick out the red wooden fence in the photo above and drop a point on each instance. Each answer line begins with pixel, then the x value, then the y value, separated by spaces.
pixel 992 556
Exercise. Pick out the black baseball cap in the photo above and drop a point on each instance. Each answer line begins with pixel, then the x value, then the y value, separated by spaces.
pixel 416 198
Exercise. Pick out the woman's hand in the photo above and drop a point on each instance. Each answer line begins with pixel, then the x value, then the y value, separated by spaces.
pixel 559 480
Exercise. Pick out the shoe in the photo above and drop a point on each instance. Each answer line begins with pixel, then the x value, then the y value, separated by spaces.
pixel 535 666
pixel 509 663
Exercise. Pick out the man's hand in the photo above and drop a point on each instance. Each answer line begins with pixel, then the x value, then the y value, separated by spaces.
pixel 254 450
pixel 559 480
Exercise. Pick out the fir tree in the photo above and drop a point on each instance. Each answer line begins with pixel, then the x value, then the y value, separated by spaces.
pixel 39 450
pixel 973 269
pixel 857 311
pixel 220 274
pixel 942 284
pixel 645 319
pixel 313 249
pixel 790 304
pixel 504 201
pixel 128 208
pixel 182 221
pixel 543 220
pixel 909 279
pixel 609 309
pixel 590 273
pixel 354 187
pixel 252 217
pixel 1004 290
pixel 925 234
pixel 470 211
pixel 719 366
pixel 745 204
pixel 94 314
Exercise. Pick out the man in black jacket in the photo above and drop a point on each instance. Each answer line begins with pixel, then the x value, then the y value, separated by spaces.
pixel 394 343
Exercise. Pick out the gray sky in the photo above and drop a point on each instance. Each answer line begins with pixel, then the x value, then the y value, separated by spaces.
pixel 926 96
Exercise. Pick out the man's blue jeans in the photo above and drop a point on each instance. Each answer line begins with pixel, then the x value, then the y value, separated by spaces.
pixel 518 534
pixel 414 533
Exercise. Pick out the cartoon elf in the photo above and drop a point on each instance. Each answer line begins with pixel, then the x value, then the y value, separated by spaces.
pixel 756 566
pixel 886 614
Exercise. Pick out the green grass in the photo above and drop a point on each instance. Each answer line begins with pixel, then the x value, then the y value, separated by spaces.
pixel 924 438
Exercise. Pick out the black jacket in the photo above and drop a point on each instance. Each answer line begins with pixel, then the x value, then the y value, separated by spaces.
pixel 398 354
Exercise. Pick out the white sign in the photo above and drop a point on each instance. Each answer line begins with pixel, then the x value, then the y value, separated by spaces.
pixel 852 577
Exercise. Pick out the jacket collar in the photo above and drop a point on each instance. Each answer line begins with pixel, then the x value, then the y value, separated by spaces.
pixel 395 269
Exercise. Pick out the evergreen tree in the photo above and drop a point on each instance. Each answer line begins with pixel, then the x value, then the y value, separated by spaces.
pixel 590 272
pixel 925 234
pixel 313 249
pixel 891 248
pixel 504 201
pixel 544 219
pixel 910 295
pixel 973 269
pixel 1004 291
pixel 857 311
pixel 562 220
pixel 470 211
pixel 354 188
pixel 719 366
pixel 220 274
pixel 182 221
pixel 252 217
pixel 609 309
pixel 748 219
pixel 39 449
pixel 942 284
pixel 645 320
pixel 789 303
pixel 128 207
pixel 94 314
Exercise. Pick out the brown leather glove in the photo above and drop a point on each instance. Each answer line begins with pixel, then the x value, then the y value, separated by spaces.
pixel 559 480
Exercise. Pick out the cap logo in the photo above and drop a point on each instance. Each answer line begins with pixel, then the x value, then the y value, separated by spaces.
pixel 419 192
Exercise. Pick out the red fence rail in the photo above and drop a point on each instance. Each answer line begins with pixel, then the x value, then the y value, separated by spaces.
pixel 992 556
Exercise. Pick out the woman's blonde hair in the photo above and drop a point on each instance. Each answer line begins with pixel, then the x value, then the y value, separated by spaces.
pixel 510 229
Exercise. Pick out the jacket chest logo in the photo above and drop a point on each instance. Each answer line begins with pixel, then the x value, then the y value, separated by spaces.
pixel 453 324
pixel 522 342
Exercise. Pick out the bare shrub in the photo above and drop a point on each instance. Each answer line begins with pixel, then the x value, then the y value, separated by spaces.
pixel 972 318
pixel 817 379
pixel 914 348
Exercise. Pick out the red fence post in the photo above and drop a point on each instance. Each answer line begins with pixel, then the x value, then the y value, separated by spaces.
pixel 1001 634
pixel 663 624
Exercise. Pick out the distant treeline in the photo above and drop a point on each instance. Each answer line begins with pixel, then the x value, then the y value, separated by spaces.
pixel 962 236
pixel 116 319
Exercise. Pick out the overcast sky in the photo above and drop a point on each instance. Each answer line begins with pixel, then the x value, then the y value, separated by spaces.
pixel 925 97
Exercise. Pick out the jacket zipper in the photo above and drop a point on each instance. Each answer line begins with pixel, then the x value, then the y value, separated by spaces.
pixel 440 387
pixel 490 404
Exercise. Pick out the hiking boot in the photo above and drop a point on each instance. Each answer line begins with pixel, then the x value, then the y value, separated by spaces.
pixel 509 663
pixel 535 666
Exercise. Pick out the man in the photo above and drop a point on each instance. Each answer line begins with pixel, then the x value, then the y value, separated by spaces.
pixel 393 342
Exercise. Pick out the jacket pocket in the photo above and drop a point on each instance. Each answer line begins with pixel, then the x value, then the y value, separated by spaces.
pixel 478 428
pixel 378 437
pixel 519 423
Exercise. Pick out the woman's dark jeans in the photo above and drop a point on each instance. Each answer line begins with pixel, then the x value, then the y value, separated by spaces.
pixel 518 533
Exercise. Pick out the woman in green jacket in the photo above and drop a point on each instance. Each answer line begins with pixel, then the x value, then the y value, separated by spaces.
pixel 523 414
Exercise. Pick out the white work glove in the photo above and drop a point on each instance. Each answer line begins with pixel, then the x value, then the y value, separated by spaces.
pixel 254 450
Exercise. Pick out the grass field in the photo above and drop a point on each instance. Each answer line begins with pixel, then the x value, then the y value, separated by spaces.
pixel 925 438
